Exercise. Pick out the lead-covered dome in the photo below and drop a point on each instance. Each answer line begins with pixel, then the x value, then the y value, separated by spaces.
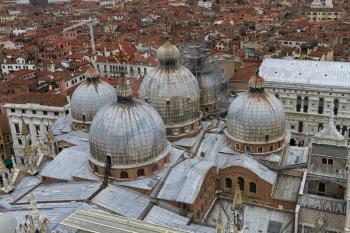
pixel 174 92
pixel 131 135
pixel 89 97
pixel 256 120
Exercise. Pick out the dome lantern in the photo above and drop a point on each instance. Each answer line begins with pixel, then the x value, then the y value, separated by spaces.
pixel 256 83
pixel 168 54
pixel 124 91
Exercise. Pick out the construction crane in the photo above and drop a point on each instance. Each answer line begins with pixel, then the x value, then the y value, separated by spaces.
pixel 90 22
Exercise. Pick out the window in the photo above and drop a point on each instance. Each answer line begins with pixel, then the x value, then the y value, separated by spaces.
pixel 327 161
pixel 306 104
pixel 247 148
pixel 321 187
pixel 320 106
pixel 252 187
pixel 271 148
pixel 19 141
pixel 84 118
pixel 237 146
pixel 267 138
pixel 67 112
pixel 37 130
pixel 336 106
pixel 34 112
pixel 124 175
pixel 240 182
pixel 141 172
pixel 17 128
pixel 300 127
pixel 45 112
pixel 260 149
pixel 23 111
pixel 228 183
pixel 13 110
pixel 56 113
pixel 108 160
pixel 298 107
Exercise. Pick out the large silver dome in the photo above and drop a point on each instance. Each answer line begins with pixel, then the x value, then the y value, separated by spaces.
pixel 173 91
pixel 256 118
pixel 130 131
pixel 90 96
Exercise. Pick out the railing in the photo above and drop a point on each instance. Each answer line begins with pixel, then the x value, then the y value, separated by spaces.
pixel 327 171
pixel 322 203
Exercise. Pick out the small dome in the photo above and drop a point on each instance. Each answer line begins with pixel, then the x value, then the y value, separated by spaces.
pixel 90 96
pixel 130 131
pixel 174 92
pixel 256 117
pixel 168 52
pixel 8 223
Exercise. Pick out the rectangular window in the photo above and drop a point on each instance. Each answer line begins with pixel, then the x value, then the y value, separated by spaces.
pixel 45 112
pixel 13 110
pixel 23 111
pixel 37 130
pixel 34 112
pixel 18 131
pixel 322 187
pixel 56 113
pixel 19 141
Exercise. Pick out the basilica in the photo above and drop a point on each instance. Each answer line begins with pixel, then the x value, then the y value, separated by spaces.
pixel 178 157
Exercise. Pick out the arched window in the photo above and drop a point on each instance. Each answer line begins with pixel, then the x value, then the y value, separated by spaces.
pixel 228 183
pixel 267 137
pixel 336 106
pixel 320 106
pixel 140 172
pixel 124 175
pixel 271 148
pixel 298 107
pixel 247 148
pixel 240 182
pixel 252 187
pixel 260 149
pixel 306 103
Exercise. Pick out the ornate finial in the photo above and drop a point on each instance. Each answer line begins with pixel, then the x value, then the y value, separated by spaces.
pixel 220 224
pixel 237 199
pixel 25 130
pixel 124 90
pixel 33 203
pixel 237 214
pixel 91 73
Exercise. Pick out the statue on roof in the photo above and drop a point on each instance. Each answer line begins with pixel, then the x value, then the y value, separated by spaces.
pixel 237 215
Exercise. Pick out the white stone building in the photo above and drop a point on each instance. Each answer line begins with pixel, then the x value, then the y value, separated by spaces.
pixel 307 90
pixel 38 111
pixel 12 65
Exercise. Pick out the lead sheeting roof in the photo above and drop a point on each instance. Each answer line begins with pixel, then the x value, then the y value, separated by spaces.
pixel 318 73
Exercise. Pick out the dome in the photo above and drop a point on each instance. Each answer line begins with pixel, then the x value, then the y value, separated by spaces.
pixel 130 132
pixel 168 52
pixel 256 120
pixel 174 92
pixel 90 96
pixel 8 223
